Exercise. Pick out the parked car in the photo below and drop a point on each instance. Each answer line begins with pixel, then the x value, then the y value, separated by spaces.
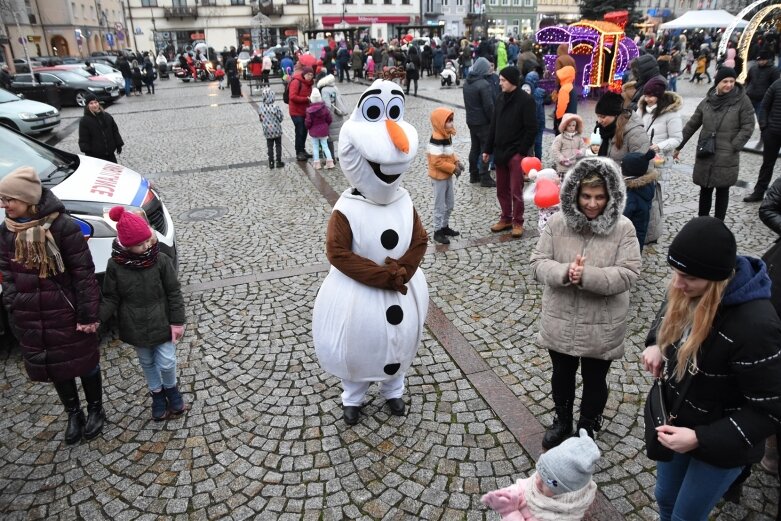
pixel 88 188
pixel 72 88
pixel 105 73
pixel 30 117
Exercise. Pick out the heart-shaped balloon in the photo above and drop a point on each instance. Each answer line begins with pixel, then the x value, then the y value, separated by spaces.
pixel 529 163
pixel 546 193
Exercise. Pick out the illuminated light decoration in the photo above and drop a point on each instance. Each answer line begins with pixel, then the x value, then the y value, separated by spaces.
pixel 748 34
pixel 604 40
pixel 727 35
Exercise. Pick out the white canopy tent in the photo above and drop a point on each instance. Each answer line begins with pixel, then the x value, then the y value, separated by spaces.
pixel 703 19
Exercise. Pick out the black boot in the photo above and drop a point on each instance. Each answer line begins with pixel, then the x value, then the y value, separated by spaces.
pixel 561 428
pixel 69 396
pixel 590 425
pixel 271 163
pixel 93 390
pixel 754 197
pixel 487 181
pixel 474 178
pixel 440 237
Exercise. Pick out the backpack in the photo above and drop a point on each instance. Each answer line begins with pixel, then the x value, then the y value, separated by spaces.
pixel 286 92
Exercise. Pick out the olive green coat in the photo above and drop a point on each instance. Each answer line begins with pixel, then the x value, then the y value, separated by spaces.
pixel 734 131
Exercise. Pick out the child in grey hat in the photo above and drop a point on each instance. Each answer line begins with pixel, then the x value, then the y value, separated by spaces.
pixel 560 490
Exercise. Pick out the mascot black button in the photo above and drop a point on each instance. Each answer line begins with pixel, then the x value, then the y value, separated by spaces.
pixel 389 239
pixel 394 315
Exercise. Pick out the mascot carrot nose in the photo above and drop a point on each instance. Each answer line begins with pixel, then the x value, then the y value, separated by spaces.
pixel 397 135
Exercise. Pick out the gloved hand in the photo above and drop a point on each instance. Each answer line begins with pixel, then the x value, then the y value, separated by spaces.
pixel 88 328
pixel 579 154
pixel 459 169
pixel 177 332
pixel 119 150
pixel 566 162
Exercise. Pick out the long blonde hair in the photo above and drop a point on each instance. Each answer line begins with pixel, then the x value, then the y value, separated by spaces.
pixel 683 312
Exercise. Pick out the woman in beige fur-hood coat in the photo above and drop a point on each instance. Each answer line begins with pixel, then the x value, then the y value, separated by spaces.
pixel 584 323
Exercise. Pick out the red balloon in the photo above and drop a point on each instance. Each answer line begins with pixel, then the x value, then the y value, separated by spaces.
pixel 546 193
pixel 529 163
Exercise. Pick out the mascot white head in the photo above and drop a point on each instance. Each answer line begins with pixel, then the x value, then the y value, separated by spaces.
pixel 376 145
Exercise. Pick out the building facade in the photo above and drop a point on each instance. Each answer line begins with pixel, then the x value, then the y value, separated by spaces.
pixel 550 12
pixel 514 18
pixel 379 17
pixel 62 27
pixel 175 25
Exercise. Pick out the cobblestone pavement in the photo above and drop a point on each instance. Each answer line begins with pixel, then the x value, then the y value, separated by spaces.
pixel 265 439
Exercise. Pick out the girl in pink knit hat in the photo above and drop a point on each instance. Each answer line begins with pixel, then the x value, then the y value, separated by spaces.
pixel 141 288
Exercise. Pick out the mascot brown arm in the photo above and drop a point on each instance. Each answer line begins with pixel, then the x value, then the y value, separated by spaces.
pixel 338 249
pixel 410 261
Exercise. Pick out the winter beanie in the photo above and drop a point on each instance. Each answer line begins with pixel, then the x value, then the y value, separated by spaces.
pixel 635 164
pixel 315 97
pixel 764 54
pixel 595 139
pixel 132 229
pixel 22 184
pixel 655 87
pixel 569 466
pixel 511 74
pixel 610 104
pixel 704 248
pixel 724 72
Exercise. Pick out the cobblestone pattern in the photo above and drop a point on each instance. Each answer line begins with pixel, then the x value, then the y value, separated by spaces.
pixel 264 439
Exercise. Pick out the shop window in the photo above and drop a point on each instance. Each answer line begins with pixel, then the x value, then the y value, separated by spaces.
pixel 148 3
pixel 237 2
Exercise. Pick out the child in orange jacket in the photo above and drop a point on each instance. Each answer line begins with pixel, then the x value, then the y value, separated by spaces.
pixel 442 164
pixel 567 101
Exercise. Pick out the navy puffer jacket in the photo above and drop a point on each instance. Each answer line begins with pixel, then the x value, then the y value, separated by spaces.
pixel 45 311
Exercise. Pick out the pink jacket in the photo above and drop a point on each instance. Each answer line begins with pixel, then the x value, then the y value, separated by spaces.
pixel 510 502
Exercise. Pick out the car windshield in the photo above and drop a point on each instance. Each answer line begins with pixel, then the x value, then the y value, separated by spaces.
pixel 6 96
pixel 68 75
pixel 104 69
pixel 17 150
pixel 81 72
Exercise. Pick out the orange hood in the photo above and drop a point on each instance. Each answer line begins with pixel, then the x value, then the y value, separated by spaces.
pixel 566 74
pixel 439 117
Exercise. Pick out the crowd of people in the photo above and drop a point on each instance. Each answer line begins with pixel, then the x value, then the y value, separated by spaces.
pixel 715 336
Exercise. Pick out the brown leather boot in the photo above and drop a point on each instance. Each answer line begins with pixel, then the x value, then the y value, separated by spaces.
pixel 501 226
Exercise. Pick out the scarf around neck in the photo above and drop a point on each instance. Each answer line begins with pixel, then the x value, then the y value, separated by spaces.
pixel 570 506
pixel 136 261
pixel 717 101
pixel 34 246
pixel 607 134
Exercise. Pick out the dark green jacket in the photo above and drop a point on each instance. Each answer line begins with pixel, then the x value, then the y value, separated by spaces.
pixel 147 301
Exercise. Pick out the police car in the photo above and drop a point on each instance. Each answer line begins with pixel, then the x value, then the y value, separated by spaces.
pixel 89 188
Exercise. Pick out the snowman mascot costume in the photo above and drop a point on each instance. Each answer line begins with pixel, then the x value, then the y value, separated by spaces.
pixel 369 313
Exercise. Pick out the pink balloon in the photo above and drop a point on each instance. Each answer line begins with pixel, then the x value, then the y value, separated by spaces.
pixel 546 193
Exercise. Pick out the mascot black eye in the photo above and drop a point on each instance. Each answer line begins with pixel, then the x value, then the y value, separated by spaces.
pixel 395 109
pixel 372 108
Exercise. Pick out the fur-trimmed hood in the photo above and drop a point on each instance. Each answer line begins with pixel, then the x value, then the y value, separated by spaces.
pixel 645 179
pixel 567 119
pixel 676 102
pixel 608 170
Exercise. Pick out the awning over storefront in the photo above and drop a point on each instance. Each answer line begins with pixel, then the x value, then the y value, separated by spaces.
pixel 329 21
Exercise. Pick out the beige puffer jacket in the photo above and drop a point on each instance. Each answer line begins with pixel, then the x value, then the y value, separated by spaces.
pixel 589 319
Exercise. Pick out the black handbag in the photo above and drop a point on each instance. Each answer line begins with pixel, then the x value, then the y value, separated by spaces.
pixel 658 414
pixel 706 147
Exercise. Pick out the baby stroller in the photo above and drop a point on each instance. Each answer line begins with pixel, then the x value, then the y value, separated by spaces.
pixel 449 75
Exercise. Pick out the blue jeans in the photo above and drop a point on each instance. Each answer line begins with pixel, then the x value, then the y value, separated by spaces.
pixel 318 142
pixel 159 365
pixel 672 82
pixel 687 489
pixel 300 125
pixel 128 86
